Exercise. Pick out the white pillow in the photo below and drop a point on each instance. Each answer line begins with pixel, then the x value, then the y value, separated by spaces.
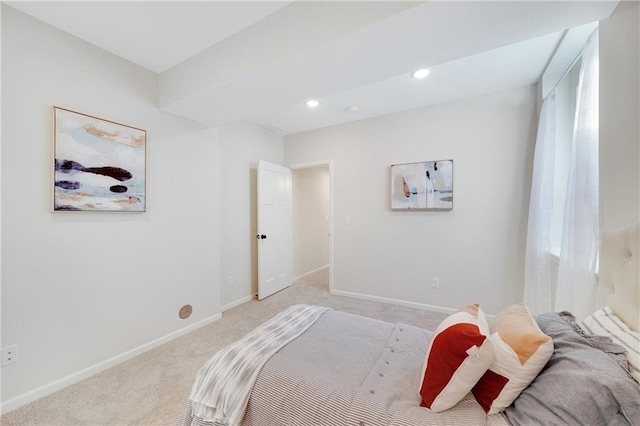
pixel 605 323
pixel 521 351
pixel 459 353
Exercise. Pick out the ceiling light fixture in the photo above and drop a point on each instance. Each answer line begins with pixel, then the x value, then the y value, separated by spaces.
pixel 351 109
pixel 312 103
pixel 421 73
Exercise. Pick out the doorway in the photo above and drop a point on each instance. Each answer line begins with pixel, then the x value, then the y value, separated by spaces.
pixel 312 223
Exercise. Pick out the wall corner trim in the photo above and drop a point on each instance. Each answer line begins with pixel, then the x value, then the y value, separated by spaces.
pixel 309 273
pixel 42 391
pixel 423 306
pixel 238 302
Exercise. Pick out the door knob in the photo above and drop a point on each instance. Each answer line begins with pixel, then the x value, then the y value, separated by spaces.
pixel 261 237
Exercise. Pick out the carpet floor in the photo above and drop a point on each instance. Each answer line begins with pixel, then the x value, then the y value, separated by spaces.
pixel 151 388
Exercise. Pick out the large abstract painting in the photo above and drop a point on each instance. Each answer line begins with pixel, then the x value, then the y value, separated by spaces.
pixel 99 165
pixel 422 186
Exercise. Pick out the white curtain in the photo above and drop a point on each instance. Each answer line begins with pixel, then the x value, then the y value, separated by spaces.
pixel 580 236
pixel 537 279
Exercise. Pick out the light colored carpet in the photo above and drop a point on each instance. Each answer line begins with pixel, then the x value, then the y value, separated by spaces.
pixel 150 389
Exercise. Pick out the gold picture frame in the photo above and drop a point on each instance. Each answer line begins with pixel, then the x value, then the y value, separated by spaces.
pixel 99 165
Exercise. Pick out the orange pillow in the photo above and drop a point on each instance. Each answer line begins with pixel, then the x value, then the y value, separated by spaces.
pixel 521 351
pixel 459 353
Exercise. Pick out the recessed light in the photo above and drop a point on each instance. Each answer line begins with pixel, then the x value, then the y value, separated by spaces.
pixel 421 73
pixel 312 103
pixel 351 109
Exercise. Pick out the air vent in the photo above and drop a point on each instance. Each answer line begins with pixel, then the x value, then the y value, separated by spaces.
pixel 274 128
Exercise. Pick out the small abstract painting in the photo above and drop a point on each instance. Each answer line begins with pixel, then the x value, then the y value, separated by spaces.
pixel 99 165
pixel 422 186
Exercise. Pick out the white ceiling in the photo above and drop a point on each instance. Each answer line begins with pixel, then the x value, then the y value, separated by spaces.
pixel 220 62
pixel 153 34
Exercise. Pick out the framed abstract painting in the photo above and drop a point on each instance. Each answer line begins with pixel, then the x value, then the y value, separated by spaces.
pixel 99 165
pixel 422 186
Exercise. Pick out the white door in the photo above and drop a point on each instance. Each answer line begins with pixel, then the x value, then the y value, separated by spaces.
pixel 274 228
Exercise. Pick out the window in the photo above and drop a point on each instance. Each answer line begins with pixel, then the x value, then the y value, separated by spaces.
pixel 563 212
pixel 566 100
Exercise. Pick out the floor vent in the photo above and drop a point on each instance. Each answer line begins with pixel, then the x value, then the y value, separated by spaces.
pixel 185 312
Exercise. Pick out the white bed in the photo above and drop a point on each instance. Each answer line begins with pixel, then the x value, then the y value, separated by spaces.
pixel 343 369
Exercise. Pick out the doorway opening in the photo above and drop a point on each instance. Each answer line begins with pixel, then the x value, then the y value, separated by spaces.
pixel 312 224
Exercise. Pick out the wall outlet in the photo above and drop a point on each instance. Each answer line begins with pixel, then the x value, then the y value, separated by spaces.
pixel 230 280
pixel 435 282
pixel 10 355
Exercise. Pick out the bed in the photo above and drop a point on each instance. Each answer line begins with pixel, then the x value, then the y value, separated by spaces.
pixel 311 365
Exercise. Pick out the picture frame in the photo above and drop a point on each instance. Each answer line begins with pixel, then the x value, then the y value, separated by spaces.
pixel 99 164
pixel 426 185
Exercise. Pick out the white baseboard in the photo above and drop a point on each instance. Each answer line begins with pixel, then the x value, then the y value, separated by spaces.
pixel 422 306
pixel 237 303
pixel 62 383
pixel 310 272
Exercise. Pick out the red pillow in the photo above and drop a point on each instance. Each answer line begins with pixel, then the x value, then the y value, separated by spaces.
pixel 459 353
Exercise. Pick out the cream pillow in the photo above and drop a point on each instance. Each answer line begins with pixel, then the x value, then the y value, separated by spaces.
pixel 521 351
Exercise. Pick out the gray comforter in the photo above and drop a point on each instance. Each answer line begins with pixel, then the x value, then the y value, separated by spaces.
pixel 586 382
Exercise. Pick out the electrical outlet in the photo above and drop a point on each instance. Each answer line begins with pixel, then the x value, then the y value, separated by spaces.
pixel 435 282
pixel 9 355
pixel 230 280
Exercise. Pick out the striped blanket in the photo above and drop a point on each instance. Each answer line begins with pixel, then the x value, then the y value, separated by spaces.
pixel 605 323
pixel 223 386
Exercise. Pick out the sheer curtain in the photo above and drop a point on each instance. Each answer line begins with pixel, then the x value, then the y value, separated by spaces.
pixel 579 247
pixel 537 279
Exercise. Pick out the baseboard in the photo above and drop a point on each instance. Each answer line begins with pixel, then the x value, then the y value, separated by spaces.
pixel 238 302
pixel 423 306
pixel 32 395
pixel 310 272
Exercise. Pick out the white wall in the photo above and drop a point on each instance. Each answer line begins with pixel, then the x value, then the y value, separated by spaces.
pixel 476 249
pixel 242 144
pixel 310 219
pixel 80 290
pixel 619 117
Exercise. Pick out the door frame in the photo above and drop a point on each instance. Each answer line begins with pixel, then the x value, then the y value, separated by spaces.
pixel 310 165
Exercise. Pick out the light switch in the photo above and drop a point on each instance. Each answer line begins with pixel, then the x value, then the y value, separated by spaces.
pixel 347 220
